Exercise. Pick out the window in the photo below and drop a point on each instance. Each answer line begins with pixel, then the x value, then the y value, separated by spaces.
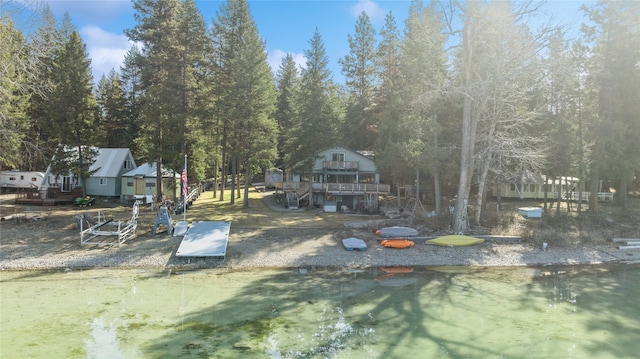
pixel 33 179
pixel 12 178
pixel 151 183
pixel 130 182
pixel 103 181
pixel 337 156
pixel 21 178
pixel 126 165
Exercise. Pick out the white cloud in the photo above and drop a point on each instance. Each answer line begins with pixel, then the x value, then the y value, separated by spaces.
pixel 274 58
pixel 106 50
pixel 373 10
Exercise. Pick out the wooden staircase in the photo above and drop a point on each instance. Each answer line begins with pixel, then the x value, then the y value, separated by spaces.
pixel 294 197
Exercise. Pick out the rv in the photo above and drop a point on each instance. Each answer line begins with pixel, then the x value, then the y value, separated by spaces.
pixel 15 179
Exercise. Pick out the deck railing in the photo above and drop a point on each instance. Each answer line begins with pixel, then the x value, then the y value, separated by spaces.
pixel 340 165
pixel 340 187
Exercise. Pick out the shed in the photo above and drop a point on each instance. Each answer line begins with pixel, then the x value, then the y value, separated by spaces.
pixel 141 182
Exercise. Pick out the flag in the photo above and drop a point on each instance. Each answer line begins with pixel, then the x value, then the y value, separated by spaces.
pixel 184 181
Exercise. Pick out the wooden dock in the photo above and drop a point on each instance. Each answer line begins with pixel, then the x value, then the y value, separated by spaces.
pixel 205 239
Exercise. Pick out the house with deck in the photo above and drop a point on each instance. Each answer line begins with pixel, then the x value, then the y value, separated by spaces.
pixel 109 165
pixel 342 180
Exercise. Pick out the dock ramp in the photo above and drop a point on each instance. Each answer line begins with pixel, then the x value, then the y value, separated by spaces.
pixel 205 239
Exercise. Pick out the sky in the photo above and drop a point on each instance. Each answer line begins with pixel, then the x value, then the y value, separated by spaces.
pixel 285 25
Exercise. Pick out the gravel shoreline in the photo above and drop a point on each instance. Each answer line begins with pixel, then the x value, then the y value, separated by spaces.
pixel 34 247
pixel 302 248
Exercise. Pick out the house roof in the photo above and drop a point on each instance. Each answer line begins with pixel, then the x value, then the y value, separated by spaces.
pixel 149 170
pixel 109 161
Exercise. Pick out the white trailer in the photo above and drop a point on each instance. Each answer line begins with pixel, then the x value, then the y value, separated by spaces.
pixel 15 179
pixel 273 178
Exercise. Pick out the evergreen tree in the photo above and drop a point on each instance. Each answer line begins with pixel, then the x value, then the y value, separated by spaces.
pixel 44 43
pixel 318 117
pixel 615 40
pixel 13 95
pixel 287 84
pixel 114 125
pixel 246 92
pixel 359 69
pixel 131 80
pixel 161 134
pixel 74 109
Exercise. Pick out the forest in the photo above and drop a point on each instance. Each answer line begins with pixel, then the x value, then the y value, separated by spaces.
pixel 466 94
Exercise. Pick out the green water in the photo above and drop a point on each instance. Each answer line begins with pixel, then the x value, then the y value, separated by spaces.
pixel 560 312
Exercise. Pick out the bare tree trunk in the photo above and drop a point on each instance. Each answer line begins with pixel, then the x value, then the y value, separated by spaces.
pixel 437 192
pixel 593 188
pixel 223 184
pixel 247 183
pixel 232 197
pixel 215 178
pixel 238 178
pixel 482 189
pixel 468 138
pixel 622 193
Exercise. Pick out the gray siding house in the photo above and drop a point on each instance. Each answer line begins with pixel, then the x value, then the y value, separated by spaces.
pixel 109 165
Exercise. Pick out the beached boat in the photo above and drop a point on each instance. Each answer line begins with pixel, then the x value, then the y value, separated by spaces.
pixel 455 240
pixel 354 244
pixel 396 232
pixel 397 243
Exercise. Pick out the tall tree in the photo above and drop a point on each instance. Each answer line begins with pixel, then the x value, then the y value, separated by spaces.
pixel 131 80
pixel 246 91
pixel 359 69
pixel 318 118
pixel 484 61
pixel 74 109
pixel 287 83
pixel 423 67
pixel 156 29
pixel 615 41
pixel 389 106
pixel 114 124
pixel 13 94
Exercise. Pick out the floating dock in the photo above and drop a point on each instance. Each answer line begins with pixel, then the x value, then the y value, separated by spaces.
pixel 205 239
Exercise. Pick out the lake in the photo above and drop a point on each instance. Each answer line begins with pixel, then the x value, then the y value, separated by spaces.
pixel 428 312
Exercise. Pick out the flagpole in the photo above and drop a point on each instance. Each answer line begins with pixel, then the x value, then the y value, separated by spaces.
pixel 185 189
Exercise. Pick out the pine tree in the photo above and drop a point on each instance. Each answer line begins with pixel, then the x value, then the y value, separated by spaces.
pixel 615 128
pixel 13 95
pixel 74 109
pixel 246 92
pixel 359 70
pixel 287 84
pixel 161 131
pixel 114 124
pixel 318 118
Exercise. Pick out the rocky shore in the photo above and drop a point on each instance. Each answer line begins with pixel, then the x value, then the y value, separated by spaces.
pixel 38 245
pixel 281 248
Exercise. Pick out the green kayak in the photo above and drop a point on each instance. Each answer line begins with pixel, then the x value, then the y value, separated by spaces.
pixel 455 240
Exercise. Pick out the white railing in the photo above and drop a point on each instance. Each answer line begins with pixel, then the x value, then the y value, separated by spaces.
pixel 575 196
pixel 339 187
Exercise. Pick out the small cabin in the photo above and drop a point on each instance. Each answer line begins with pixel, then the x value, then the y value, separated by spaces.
pixel 141 182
